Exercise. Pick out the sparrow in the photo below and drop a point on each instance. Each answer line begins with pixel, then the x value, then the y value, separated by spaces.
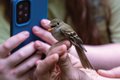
pixel 62 31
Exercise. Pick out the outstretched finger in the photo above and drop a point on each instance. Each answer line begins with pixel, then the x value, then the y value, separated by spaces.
pixel 26 65
pixel 21 55
pixel 44 35
pixel 12 43
pixel 45 23
pixel 42 47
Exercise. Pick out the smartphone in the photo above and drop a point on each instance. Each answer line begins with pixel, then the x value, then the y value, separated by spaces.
pixel 25 14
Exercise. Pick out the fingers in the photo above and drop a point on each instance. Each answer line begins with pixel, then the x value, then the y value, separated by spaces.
pixel 45 48
pixel 68 71
pixel 60 50
pixel 26 66
pixel 41 46
pixel 65 64
pixel 45 23
pixel 12 43
pixel 44 34
pixel 44 66
pixel 21 54
pixel 113 73
pixel 65 42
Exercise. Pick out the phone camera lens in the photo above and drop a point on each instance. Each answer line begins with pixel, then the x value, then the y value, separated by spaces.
pixel 26 15
pixel 20 6
pixel 26 8
pixel 20 13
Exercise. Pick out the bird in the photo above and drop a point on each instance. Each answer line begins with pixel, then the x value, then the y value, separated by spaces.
pixel 62 31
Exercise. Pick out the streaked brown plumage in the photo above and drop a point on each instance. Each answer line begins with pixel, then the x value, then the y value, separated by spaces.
pixel 62 31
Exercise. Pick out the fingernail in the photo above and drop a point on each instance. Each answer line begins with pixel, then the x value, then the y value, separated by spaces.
pixel 36 28
pixel 37 44
pixel 26 33
pixel 67 43
pixel 63 48
pixel 45 22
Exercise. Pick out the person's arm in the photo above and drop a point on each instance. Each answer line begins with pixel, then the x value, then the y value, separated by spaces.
pixel 108 56
pixel 115 37
pixel 104 56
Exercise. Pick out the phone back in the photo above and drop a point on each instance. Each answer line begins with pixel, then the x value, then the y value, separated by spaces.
pixel 25 15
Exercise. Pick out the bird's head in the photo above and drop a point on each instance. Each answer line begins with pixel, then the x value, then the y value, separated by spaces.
pixel 55 23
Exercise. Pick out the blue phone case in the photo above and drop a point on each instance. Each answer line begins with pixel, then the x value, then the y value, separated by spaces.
pixel 38 11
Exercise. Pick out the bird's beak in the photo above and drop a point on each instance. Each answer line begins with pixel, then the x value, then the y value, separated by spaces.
pixel 50 29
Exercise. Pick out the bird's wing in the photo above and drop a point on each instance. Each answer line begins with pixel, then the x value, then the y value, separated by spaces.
pixel 74 38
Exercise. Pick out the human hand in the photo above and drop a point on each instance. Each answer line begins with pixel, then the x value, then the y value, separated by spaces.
pixel 47 36
pixel 113 73
pixel 57 55
pixel 47 71
pixel 16 66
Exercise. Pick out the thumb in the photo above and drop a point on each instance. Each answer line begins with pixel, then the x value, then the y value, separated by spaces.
pixel 68 72
pixel 113 73
pixel 65 64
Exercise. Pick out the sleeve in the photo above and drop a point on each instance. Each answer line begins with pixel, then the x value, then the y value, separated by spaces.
pixel 115 20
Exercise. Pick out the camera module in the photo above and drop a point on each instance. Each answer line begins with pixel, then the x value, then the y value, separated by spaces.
pixel 23 12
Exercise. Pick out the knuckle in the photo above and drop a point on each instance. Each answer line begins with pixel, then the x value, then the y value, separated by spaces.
pixel 6 46
pixel 20 55
pixel 54 58
pixel 46 34
pixel 2 69
pixel 63 48
pixel 19 38
pixel 46 62
pixel 29 66
pixel 3 66
pixel 13 72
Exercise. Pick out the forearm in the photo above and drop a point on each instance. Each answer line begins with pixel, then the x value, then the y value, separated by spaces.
pixel 104 56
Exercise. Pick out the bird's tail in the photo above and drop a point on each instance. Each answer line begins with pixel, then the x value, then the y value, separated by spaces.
pixel 83 58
